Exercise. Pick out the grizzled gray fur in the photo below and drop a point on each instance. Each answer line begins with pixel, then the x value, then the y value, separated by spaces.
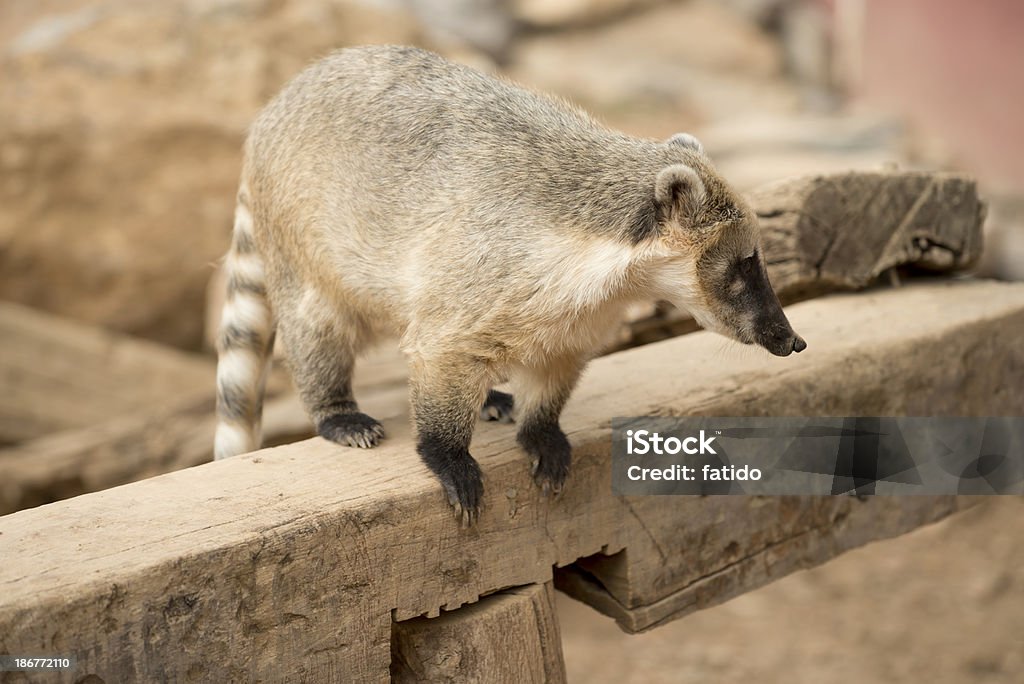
pixel 498 233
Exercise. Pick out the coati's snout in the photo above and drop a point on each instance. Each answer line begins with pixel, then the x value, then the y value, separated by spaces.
pixel 740 300
pixel 779 338
pixel 746 300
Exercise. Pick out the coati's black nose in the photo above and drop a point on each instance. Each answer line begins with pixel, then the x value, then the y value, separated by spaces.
pixel 798 344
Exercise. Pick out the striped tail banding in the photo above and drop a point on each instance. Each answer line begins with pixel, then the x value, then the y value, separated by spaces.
pixel 244 342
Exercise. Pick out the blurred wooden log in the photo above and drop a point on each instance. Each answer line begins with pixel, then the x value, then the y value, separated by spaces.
pixel 58 374
pixel 511 636
pixel 110 453
pixel 177 434
pixel 840 232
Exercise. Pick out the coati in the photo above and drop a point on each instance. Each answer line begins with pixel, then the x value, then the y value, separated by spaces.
pixel 499 233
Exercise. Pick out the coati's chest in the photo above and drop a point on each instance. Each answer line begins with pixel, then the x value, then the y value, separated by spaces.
pixel 568 301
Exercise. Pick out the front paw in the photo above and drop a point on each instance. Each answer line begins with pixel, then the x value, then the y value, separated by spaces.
pixel 465 489
pixel 550 454
pixel 459 475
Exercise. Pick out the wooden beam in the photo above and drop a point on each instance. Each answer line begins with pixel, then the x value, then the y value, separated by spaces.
pixel 733 552
pixel 842 231
pixel 292 562
pixel 511 636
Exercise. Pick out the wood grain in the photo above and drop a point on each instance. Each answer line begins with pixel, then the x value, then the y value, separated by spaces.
pixel 511 636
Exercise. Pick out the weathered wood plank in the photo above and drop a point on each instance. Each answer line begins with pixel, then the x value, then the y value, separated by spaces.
pixel 290 563
pixel 841 231
pixel 734 552
pixel 59 374
pixel 511 636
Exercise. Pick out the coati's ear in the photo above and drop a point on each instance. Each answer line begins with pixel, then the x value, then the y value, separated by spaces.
pixel 686 140
pixel 678 190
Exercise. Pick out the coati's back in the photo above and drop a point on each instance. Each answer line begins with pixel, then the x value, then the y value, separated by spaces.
pixel 393 143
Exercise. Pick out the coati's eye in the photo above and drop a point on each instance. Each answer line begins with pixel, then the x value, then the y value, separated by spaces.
pixel 747 266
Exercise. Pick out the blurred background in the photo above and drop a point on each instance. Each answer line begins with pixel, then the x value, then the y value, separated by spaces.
pixel 121 124
pixel 121 121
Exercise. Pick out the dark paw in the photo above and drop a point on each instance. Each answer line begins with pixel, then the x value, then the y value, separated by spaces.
pixel 459 475
pixel 550 455
pixel 351 429
pixel 498 406
pixel 465 489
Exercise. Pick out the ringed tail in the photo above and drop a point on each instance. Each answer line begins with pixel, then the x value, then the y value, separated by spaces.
pixel 244 341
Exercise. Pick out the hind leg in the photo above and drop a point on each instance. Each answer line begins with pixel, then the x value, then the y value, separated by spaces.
pixel 498 406
pixel 541 394
pixel 321 348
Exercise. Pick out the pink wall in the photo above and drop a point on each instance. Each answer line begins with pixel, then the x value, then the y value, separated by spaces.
pixel 956 67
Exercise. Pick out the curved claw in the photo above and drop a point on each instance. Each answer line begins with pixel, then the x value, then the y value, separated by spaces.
pixel 465 490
